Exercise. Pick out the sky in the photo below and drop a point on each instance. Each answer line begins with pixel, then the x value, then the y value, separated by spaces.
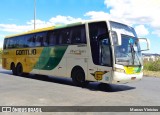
pixel 17 15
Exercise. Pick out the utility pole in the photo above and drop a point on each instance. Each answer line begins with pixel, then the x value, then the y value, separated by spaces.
pixel 34 14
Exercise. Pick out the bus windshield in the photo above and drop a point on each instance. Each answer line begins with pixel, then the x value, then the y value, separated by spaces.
pixel 128 53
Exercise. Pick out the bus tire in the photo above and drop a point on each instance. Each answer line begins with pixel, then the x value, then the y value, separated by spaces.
pixel 78 77
pixel 19 69
pixel 13 68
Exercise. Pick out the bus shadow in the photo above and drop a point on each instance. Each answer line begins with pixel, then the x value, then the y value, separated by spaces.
pixel 93 86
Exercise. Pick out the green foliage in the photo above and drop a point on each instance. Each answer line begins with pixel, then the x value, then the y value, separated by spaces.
pixel 152 65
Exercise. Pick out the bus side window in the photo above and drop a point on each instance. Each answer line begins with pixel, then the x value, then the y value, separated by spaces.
pixel 52 38
pixel 27 40
pixel 45 39
pixel 26 44
pixel 83 35
pixel 21 42
pixel 17 42
pixel 31 40
pixel 11 43
pixel 38 40
pixel 65 36
pixel 5 45
pixel 34 41
pixel 41 39
pixel 78 35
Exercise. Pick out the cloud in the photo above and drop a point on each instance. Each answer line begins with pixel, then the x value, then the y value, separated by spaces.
pixel 1 36
pixel 13 28
pixel 132 12
pixel 54 20
pixel 136 12
pixel 97 15
pixel 156 32
pixel 64 20
pixel 141 30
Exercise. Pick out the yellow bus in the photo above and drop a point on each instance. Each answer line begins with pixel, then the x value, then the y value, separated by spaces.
pixel 99 50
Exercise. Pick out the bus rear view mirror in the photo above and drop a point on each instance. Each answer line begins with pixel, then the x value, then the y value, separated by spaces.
pixel 144 43
pixel 116 38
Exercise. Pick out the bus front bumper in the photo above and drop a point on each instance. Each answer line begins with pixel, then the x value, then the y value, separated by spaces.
pixel 125 78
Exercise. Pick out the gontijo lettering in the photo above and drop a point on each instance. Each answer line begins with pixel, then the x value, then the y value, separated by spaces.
pixel 26 52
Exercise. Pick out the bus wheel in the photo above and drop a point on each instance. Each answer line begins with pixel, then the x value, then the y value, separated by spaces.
pixel 13 68
pixel 19 69
pixel 78 77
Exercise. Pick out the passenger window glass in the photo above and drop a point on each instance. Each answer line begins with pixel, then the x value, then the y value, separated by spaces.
pixel 78 35
pixel 31 40
pixel 11 43
pixel 65 36
pixel 41 39
pixel 27 40
pixel 45 39
pixel 5 44
pixel 52 37
pixel 21 42
pixel 38 39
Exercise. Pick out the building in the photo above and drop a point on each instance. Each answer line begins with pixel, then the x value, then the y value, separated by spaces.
pixel 151 57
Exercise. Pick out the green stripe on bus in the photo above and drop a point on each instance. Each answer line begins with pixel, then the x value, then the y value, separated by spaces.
pixel 138 69
pixel 50 57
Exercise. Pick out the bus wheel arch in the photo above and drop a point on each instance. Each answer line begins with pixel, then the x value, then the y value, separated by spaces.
pixel 78 76
pixel 13 68
pixel 19 69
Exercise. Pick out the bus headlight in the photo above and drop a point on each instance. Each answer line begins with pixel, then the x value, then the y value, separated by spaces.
pixel 119 70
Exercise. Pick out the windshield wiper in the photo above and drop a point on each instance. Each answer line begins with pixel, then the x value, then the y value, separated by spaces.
pixel 133 55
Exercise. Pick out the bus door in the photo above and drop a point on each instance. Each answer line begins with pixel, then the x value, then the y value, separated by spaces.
pixel 101 65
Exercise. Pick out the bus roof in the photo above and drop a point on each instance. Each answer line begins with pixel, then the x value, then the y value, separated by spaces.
pixel 45 29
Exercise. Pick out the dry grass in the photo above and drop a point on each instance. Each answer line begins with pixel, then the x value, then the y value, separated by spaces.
pixel 151 73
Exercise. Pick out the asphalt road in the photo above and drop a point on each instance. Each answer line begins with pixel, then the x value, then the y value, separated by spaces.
pixel 42 91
